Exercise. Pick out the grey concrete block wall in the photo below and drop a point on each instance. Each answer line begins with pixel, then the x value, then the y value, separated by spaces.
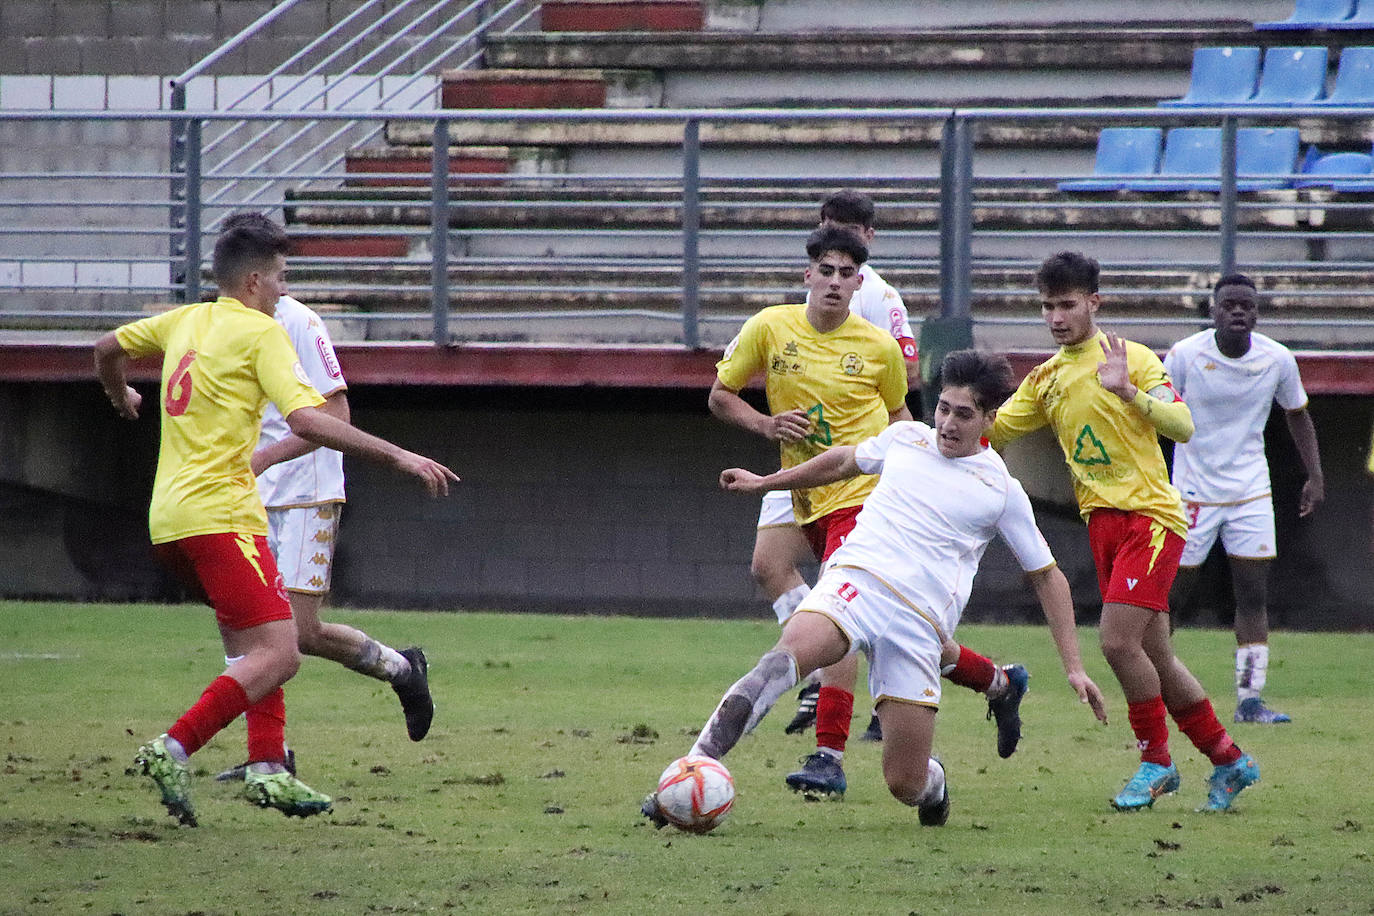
pixel 582 502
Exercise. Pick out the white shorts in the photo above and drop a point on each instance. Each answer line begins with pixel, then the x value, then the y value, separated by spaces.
pixel 776 510
pixel 902 646
pixel 302 539
pixel 1246 529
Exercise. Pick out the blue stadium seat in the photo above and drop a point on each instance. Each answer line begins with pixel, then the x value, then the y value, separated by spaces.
pixel 1220 76
pixel 1362 18
pixel 1354 79
pixel 1121 152
pixel 1338 171
pixel 1267 156
pixel 1291 76
pixel 1313 14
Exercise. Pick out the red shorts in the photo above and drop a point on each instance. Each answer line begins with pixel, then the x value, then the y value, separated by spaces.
pixel 233 573
pixel 1136 558
pixel 827 533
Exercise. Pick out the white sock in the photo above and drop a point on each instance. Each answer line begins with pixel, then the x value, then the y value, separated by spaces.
pixel 265 768
pixel 745 703
pixel 788 601
pixel 380 661
pixel 830 752
pixel 175 749
pixel 1252 670
pixel 935 782
pixel 999 683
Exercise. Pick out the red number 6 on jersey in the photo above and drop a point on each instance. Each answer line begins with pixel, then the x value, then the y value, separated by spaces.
pixel 179 386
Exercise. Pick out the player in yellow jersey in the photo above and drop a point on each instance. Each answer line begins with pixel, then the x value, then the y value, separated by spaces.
pixel 1107 400
pixel 222 361
pixel 831 378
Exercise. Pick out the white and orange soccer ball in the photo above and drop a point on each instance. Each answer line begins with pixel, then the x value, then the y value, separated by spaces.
pixel 695 793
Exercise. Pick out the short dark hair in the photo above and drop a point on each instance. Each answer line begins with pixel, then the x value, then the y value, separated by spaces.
pixel 833 238
pixel 1234 279
pixel 1068 271
pixel 246 241
pixel 988 375
pixel 850 207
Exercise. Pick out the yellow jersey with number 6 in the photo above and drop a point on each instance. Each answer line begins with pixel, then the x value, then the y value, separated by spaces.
pixel 848 381
pixel 222 362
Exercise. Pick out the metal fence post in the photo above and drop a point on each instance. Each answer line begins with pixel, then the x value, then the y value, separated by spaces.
pixel 176 194
pixel 438 231
pixel 953 328
pixel 1227 200
pixel 193 221
pixel 691 226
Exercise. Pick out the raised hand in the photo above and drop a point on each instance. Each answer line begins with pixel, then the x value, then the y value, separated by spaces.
pixel 741 481
pixel 1113 372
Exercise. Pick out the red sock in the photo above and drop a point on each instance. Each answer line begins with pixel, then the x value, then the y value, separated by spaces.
pixel 972 670
pixel 834 709
pixel 220 704
pixel 1151 730
pixel 266 721
pixel 1200 723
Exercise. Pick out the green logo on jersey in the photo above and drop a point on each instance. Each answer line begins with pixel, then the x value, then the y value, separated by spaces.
pixel 822 434
pixel 1088 442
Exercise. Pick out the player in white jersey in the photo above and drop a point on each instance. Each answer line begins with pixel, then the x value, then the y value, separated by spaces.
pixel 1231 376
pixel 302 488
pixel 896 588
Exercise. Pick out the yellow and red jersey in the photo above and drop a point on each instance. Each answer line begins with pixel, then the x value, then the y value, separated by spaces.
pixel 222 363
pixel 848 381
pixel 1111 449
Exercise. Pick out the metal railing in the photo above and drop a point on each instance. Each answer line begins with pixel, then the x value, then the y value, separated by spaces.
pixel 415 38
pixel 944 238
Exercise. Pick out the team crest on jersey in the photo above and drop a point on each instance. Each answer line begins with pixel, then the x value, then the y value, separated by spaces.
pixel 852 363
pixel 299 370
pixel 790 349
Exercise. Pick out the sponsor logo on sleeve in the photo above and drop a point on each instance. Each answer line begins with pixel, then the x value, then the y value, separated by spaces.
pixel 331 365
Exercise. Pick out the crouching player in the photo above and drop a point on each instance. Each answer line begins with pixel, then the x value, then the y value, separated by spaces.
pixel 896 588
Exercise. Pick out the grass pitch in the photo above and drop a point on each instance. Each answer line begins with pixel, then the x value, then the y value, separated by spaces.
pixel 549 731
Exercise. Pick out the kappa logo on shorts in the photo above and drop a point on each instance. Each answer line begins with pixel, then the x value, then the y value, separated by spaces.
pixel 1131 583
pixel 323 536
pixel 847 591
pixel 320 559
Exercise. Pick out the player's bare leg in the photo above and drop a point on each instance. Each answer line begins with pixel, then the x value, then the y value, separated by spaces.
pixel 912 776
pixel 779 551
pixel 1251 582
pixel 406 670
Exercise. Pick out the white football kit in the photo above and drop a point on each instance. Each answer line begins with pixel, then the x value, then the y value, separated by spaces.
pixel 878 303
pixel 1221 471
pixel 899 583
pixel 303 495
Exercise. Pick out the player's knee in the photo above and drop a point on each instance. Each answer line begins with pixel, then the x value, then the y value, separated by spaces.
pixel 906 784
pixel 770 575
pixel 1116 647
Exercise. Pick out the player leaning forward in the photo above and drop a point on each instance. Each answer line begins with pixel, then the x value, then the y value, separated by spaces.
pixel 222 362
pixel 897 586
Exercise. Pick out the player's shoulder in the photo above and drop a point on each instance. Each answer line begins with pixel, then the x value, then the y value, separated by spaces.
pixel 292 312
pixel 1269 346
pixel 1193 343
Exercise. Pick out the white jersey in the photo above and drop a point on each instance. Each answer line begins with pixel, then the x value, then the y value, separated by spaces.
pixel 923 529
pixel 878 303
pixel 1230 401
pixel 317 477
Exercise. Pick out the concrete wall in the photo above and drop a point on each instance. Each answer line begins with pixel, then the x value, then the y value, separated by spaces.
pixel 579 501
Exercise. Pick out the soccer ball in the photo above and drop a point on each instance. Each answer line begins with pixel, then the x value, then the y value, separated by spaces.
pixel 695 793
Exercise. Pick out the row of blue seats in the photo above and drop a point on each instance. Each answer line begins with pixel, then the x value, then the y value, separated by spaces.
pixel 1326 14
pixel 1289 76
pixel 1189 159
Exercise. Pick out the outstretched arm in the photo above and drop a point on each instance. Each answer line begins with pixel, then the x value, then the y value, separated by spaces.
pixel 831 465
pixel 1057 602
pixel 1162 408
pixel 111 366
pixel 293 446
pixel 313 424
pixel 1305 438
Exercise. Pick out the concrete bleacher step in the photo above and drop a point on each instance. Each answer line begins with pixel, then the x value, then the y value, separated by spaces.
pixel 629 207
pixel 621 15
pixel 550 88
